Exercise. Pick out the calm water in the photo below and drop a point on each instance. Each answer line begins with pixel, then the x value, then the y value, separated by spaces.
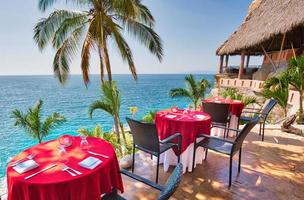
pixel 72 100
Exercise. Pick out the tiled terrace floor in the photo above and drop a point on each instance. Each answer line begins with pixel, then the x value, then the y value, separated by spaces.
pixel 273 169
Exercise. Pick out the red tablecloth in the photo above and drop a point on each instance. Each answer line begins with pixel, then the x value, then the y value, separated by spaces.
pixel 55 184
pixel 236 107
pixel 188 125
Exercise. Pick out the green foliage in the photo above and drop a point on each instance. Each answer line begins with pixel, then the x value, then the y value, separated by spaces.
pixel 149 118
pixel 109 102
pixel 235 94
pixel 121 149
pixel 295 74
pixel 103 21
pixel 277 88
pixel 195 90
pixel 33 124
pixel 96 132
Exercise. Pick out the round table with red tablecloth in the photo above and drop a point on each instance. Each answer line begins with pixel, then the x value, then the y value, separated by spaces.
pixel 235 106
pixel 55 184
pixel 189 125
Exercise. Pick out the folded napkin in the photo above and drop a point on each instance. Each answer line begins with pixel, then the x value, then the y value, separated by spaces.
pixel 170 116
pixel 25 166
pixel 90 162
pixel 200 116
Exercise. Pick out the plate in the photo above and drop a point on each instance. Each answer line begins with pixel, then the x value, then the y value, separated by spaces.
pixel 25 166
pixel 170 116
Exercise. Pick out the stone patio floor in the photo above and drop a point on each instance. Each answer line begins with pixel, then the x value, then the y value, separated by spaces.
pixel 273 169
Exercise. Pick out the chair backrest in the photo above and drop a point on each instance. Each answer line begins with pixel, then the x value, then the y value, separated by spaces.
pixel 144 135
pixel 242 135
pixel 172 183
pixel 219 112
pixel 269 104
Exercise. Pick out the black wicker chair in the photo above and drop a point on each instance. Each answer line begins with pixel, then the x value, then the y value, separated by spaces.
pixel 145 138
pixel 166 191
pixel 262 113
pixel 220 114
pixel 225 146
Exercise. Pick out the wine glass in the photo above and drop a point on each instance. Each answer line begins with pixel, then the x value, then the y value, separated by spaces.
pixel 84 144
pixel 63 156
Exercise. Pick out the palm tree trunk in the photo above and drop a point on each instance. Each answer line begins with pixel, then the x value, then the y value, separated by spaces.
pixel 301 114
pixel 123 133
pixel 101 65
pixel 116 127
pixel 107 60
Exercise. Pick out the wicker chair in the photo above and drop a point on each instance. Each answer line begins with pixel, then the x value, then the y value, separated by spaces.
pixel 225 146
pixel 262 113
pixel 220 114
pixel 145 138
pixel 166 191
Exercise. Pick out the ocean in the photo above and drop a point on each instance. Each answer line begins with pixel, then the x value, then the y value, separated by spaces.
pixel 150 92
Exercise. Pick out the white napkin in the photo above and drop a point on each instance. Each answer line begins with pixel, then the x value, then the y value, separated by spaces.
pixel 200 116
pixel 25 166
pixel 90 162
pixel 170 116
pixel 217 101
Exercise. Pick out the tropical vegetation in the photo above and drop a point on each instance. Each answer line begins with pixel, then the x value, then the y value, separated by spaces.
pixel 295 74
pixel 195 90
pixel 277 87
pixel 103 21
pixel 150 117
pixel 121 149
pixel 235 94
pixel 110 103
pixel 32 121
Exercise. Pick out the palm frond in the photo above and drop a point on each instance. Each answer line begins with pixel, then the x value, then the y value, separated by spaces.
pixel 135 10
pixel 65 54
pixel 191 85
pixel 278 88
pixel 43 5
pixel 146 35
pixel 125 51
pixel 51 122
pixel 85 58
pixel 99 104
pixel 46 28
pixel 67 27
pixel 179 92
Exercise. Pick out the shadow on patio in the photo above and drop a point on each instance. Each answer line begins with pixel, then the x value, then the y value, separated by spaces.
pixel 273 169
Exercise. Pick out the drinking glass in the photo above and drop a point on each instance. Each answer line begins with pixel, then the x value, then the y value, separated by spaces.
pixel 84 144
pixel 63 156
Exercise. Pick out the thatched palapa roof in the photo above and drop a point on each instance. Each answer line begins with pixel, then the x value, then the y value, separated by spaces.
pixel 265 25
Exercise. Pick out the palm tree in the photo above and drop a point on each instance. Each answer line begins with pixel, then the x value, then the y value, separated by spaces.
pixel 31 121
pixel 295 73
pixel 70 31
pixel 277 87
pixel 195 90
pixel 110 103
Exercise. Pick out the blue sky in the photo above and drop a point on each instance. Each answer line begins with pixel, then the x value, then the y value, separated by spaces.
pixel 191 32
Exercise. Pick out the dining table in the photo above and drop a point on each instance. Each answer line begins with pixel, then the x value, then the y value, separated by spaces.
pixel 189 124
pixel 55 182
pixel 235 107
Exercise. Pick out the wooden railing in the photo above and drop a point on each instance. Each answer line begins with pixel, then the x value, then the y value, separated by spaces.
pixel 241 83
pixel 255 85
